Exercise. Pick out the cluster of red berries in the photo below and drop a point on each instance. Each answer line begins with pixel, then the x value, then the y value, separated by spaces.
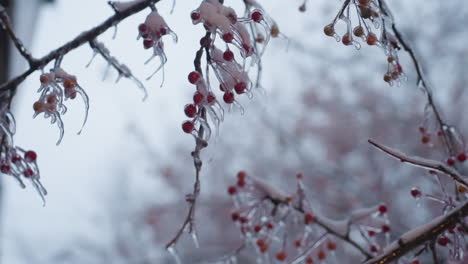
pixel 368 13
pixel 20 164
pixel 57 86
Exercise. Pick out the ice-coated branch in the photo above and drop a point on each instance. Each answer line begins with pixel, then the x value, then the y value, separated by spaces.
pixel 420 235
pixel 421 79
pixel 277 198
pixel 421 162
pixel 7 26
pixel 122 69
pixel 189 222
pixel 79 40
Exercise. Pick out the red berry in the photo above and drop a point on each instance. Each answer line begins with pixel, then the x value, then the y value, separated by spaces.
pixel 383 209
pixel 148 43
pixel 190 110
pixel 163 31
pixel 211 98
pixel 415 261
pixel 461 157
pixel 247 48
pixel 241 182
pixel 443 241
pixel 228 55
pixel 308 218
pixel 232 190
pixel 193 77
pixel 371 233
pixel 257 16
pixel 5 168
pixel 425 139
pixel 371 39
pixel 241 175
pixel 415 192
pixel 261 242
pixel 281 256
pixel 346 39
pixel 374 249
pixel 240 87
pixel 243 220
pixel 228 97
pixel 257 228
pixel 450 161
pixel 188 126
pixel 269 226
pixel 228 37
pixel 30 156
pixel 142 28
pixel 16 158
pixel 331 245
pixel 321 255
pixel 235 216
pixel 309 260
pixel 298 243
pixel 385 228
pixel 198 98
pixel 28 173
pixel 195 15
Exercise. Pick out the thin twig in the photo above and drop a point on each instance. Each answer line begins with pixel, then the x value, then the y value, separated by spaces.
pixel 276 200
pixel 421 162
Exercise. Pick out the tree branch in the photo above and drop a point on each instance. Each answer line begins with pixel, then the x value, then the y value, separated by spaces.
pixel 422 162
pixel 421 79
pixel 278 198
pixel 79 40
pixel 420 235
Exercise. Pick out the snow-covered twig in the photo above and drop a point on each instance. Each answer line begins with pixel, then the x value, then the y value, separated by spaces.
pixel 83 38
pixel 420 235
pixel 422 162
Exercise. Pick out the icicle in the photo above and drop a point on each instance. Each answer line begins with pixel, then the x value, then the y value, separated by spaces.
pixel 92 58
pixel 86 103
pixel 173 251
pixel 195 239
pixel 60 126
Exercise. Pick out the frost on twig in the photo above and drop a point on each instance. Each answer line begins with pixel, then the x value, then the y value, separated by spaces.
pixel 422 162
pixel 122 69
